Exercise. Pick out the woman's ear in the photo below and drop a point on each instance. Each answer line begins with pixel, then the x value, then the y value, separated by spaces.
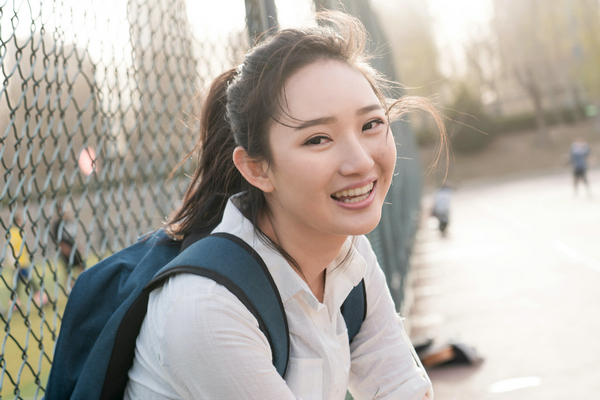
pixel 255 172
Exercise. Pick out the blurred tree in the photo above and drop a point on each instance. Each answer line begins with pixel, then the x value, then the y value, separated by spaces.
pixel 522 50
pixel 530 83
pixel 584 27
pixel 550 50
pixel 482 58
pixel 470 128
pixel 408 26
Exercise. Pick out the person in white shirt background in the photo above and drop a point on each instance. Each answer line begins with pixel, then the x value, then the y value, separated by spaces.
pixel 295 157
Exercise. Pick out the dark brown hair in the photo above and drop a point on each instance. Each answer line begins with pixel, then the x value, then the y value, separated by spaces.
pixel 242 104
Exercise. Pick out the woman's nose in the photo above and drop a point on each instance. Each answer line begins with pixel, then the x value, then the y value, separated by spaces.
pixel 356 157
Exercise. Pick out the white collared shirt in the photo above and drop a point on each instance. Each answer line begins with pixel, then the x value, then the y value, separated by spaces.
pixel 198 341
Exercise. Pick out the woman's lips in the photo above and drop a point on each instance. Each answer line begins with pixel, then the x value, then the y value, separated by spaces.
pixel 354 195
pixel 356 201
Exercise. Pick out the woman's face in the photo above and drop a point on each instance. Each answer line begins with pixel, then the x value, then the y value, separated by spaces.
pixel 333 165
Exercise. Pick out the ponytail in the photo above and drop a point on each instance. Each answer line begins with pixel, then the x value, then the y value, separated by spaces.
pixel 216 178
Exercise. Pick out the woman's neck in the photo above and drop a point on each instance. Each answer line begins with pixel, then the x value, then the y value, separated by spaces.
pixel 312 252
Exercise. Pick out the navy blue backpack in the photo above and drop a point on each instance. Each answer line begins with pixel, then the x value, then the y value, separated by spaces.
pixel 96 345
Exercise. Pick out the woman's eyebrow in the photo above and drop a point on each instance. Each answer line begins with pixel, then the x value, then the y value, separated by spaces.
pixel 330 120
pixel 367 109
pixel 317 121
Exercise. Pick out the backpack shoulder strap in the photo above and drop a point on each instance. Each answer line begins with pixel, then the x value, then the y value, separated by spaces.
pixel 229 261
pixel 354 309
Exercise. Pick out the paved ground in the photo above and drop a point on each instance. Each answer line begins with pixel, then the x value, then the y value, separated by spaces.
pixel 517 277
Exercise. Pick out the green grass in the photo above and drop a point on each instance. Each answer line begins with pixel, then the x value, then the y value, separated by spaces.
pixel 30 334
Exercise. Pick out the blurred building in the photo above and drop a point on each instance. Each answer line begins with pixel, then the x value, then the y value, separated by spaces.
pixel 548 54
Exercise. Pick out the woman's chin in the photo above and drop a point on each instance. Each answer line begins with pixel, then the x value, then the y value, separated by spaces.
pixel 364 227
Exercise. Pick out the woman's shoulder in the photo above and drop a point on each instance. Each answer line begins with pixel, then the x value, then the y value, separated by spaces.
pixel 373 272
pixel 364 248
pixel 193 295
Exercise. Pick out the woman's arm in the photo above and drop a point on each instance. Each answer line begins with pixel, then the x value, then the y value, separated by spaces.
pixel 213 349
pixel 384 363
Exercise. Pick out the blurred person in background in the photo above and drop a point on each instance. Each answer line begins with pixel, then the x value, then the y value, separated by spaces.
pixel 580 152
pixel 441 207
pixel 63 234
pixel 22 260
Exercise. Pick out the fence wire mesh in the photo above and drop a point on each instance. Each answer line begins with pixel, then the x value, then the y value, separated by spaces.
pixel 96 109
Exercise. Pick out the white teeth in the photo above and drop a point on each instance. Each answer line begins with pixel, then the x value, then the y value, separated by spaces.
pixel 357 199
pixel 361 193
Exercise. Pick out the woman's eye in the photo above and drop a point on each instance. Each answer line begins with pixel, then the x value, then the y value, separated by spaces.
pixel 372 124
pixel 316 140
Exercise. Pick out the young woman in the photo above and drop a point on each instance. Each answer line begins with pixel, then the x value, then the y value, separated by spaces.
pixel 296 157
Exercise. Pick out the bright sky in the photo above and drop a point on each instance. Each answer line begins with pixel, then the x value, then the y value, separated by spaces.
pixel 454 22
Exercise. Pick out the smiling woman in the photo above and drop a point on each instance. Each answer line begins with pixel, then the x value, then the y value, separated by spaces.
pixel 296 158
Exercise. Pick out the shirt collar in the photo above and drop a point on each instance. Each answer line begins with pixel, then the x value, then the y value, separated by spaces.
pixel 342 275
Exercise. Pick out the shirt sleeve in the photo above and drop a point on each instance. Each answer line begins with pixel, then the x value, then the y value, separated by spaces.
pixel 213 349
pixel 384 362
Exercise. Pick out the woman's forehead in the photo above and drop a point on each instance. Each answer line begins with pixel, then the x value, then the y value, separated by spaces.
pixel 327 87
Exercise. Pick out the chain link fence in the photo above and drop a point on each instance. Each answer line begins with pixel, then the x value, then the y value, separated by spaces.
pixel 96 108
